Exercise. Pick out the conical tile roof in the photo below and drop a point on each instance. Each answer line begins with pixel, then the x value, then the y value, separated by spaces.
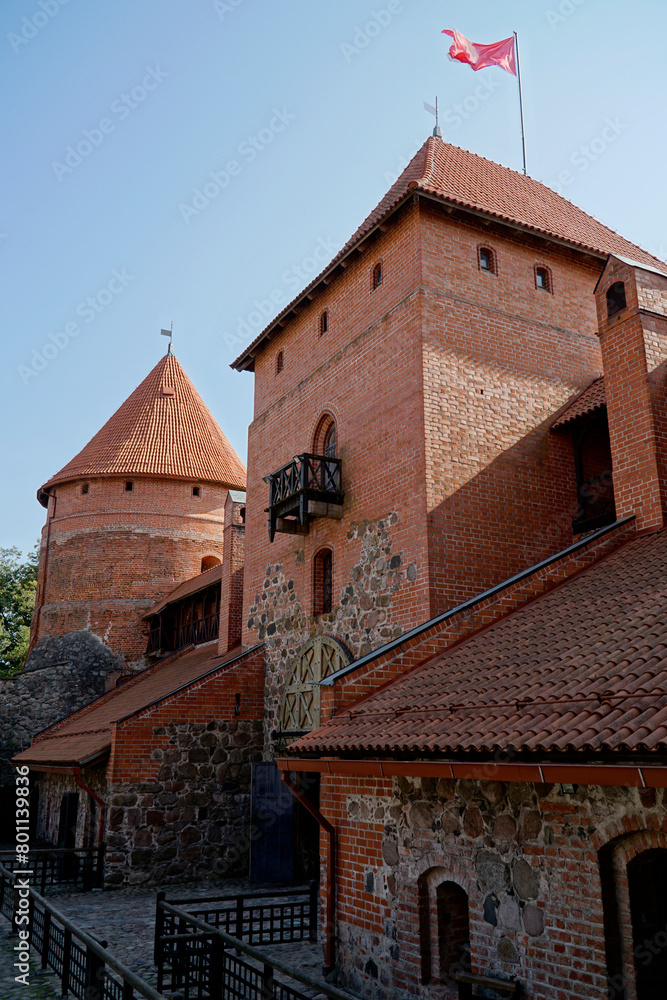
pixel 163 429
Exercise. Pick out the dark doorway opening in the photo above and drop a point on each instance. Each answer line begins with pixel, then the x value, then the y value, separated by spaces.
pixel 453 931
pixel 69 808
pixel 285 838
pixel 593 470
pixel 34 808
pixel 647 884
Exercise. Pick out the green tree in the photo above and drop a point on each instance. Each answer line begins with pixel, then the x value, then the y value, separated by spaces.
pixel 18 589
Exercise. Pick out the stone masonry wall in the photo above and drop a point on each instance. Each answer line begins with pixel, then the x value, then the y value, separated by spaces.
pixel 525 854
pixel 362 616
pixel 192 819
pixel 61 675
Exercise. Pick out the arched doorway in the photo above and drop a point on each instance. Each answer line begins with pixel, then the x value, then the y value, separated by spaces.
pixel 317 659
pixel 444 928
pixel 647 886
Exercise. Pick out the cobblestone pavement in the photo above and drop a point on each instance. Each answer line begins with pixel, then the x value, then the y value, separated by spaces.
pixel 125 918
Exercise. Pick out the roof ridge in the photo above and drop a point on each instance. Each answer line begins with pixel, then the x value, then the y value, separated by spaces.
pixel 482 186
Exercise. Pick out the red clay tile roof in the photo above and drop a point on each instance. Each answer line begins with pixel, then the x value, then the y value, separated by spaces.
pixel 472 182
pixel 581 669
pixel 163 429
pixel 191 586
pixel 87 733
pixel 592 398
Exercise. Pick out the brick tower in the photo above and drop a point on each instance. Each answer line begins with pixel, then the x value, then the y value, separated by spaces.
pixel 138 511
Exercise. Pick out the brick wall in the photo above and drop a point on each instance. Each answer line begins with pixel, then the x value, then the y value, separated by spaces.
pixel 443 383
pixel 500 358
pixel 364 372
pixel 113 554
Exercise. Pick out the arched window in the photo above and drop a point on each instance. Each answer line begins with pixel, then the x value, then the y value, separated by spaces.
pixel 85 488
pixel 280 362
pixel 616 298
pixel 444 927
pixel 322 582
pixel 208 562
pixel 325 437
pixel 543 278
pixel 330 441
pixel 324 322
pixel 377 276
pixel 486 260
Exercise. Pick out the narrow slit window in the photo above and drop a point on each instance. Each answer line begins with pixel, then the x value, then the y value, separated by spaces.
pixel 322 582
pixel 280 362
pixel 377 276
pixel 324 322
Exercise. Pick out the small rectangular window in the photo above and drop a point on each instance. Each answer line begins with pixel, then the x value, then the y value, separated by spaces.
pixel 377 276
pixel 487 260
pixel 543 278
pixel 196 491
pixel 85 488
pixel 129 486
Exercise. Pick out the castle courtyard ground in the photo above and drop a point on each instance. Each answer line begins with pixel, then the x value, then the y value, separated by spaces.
pixel 125 919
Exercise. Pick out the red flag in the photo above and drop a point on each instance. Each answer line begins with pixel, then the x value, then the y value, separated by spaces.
pixel 480 56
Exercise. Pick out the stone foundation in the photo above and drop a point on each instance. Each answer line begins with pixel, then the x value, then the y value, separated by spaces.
pixel 526 856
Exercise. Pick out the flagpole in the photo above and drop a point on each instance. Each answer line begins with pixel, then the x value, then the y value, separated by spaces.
pixel 518 73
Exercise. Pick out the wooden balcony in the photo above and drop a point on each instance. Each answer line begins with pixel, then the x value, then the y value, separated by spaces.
pixel 307 487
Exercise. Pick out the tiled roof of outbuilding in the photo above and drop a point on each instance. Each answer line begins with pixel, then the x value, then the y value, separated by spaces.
pixel 581 669
pixel 87 733
pixel 163 428
pixel 592 398
pixel 191 586
pixel 461 178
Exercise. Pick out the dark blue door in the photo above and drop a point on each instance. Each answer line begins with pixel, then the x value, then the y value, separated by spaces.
pixel 271 825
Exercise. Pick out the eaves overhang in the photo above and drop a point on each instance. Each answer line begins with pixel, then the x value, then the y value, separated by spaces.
pixel 246 360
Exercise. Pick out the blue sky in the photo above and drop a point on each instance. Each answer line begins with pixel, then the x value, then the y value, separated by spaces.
pixel 305 112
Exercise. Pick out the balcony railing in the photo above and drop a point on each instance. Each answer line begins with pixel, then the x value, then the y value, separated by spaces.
pixel 197 631
pixel 307 487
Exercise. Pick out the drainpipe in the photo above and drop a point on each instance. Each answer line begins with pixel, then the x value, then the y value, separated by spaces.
pixel 42 595
pixel 330 917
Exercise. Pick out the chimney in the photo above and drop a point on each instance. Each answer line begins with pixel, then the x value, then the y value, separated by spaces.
pixel 231 597
pixel 632 325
